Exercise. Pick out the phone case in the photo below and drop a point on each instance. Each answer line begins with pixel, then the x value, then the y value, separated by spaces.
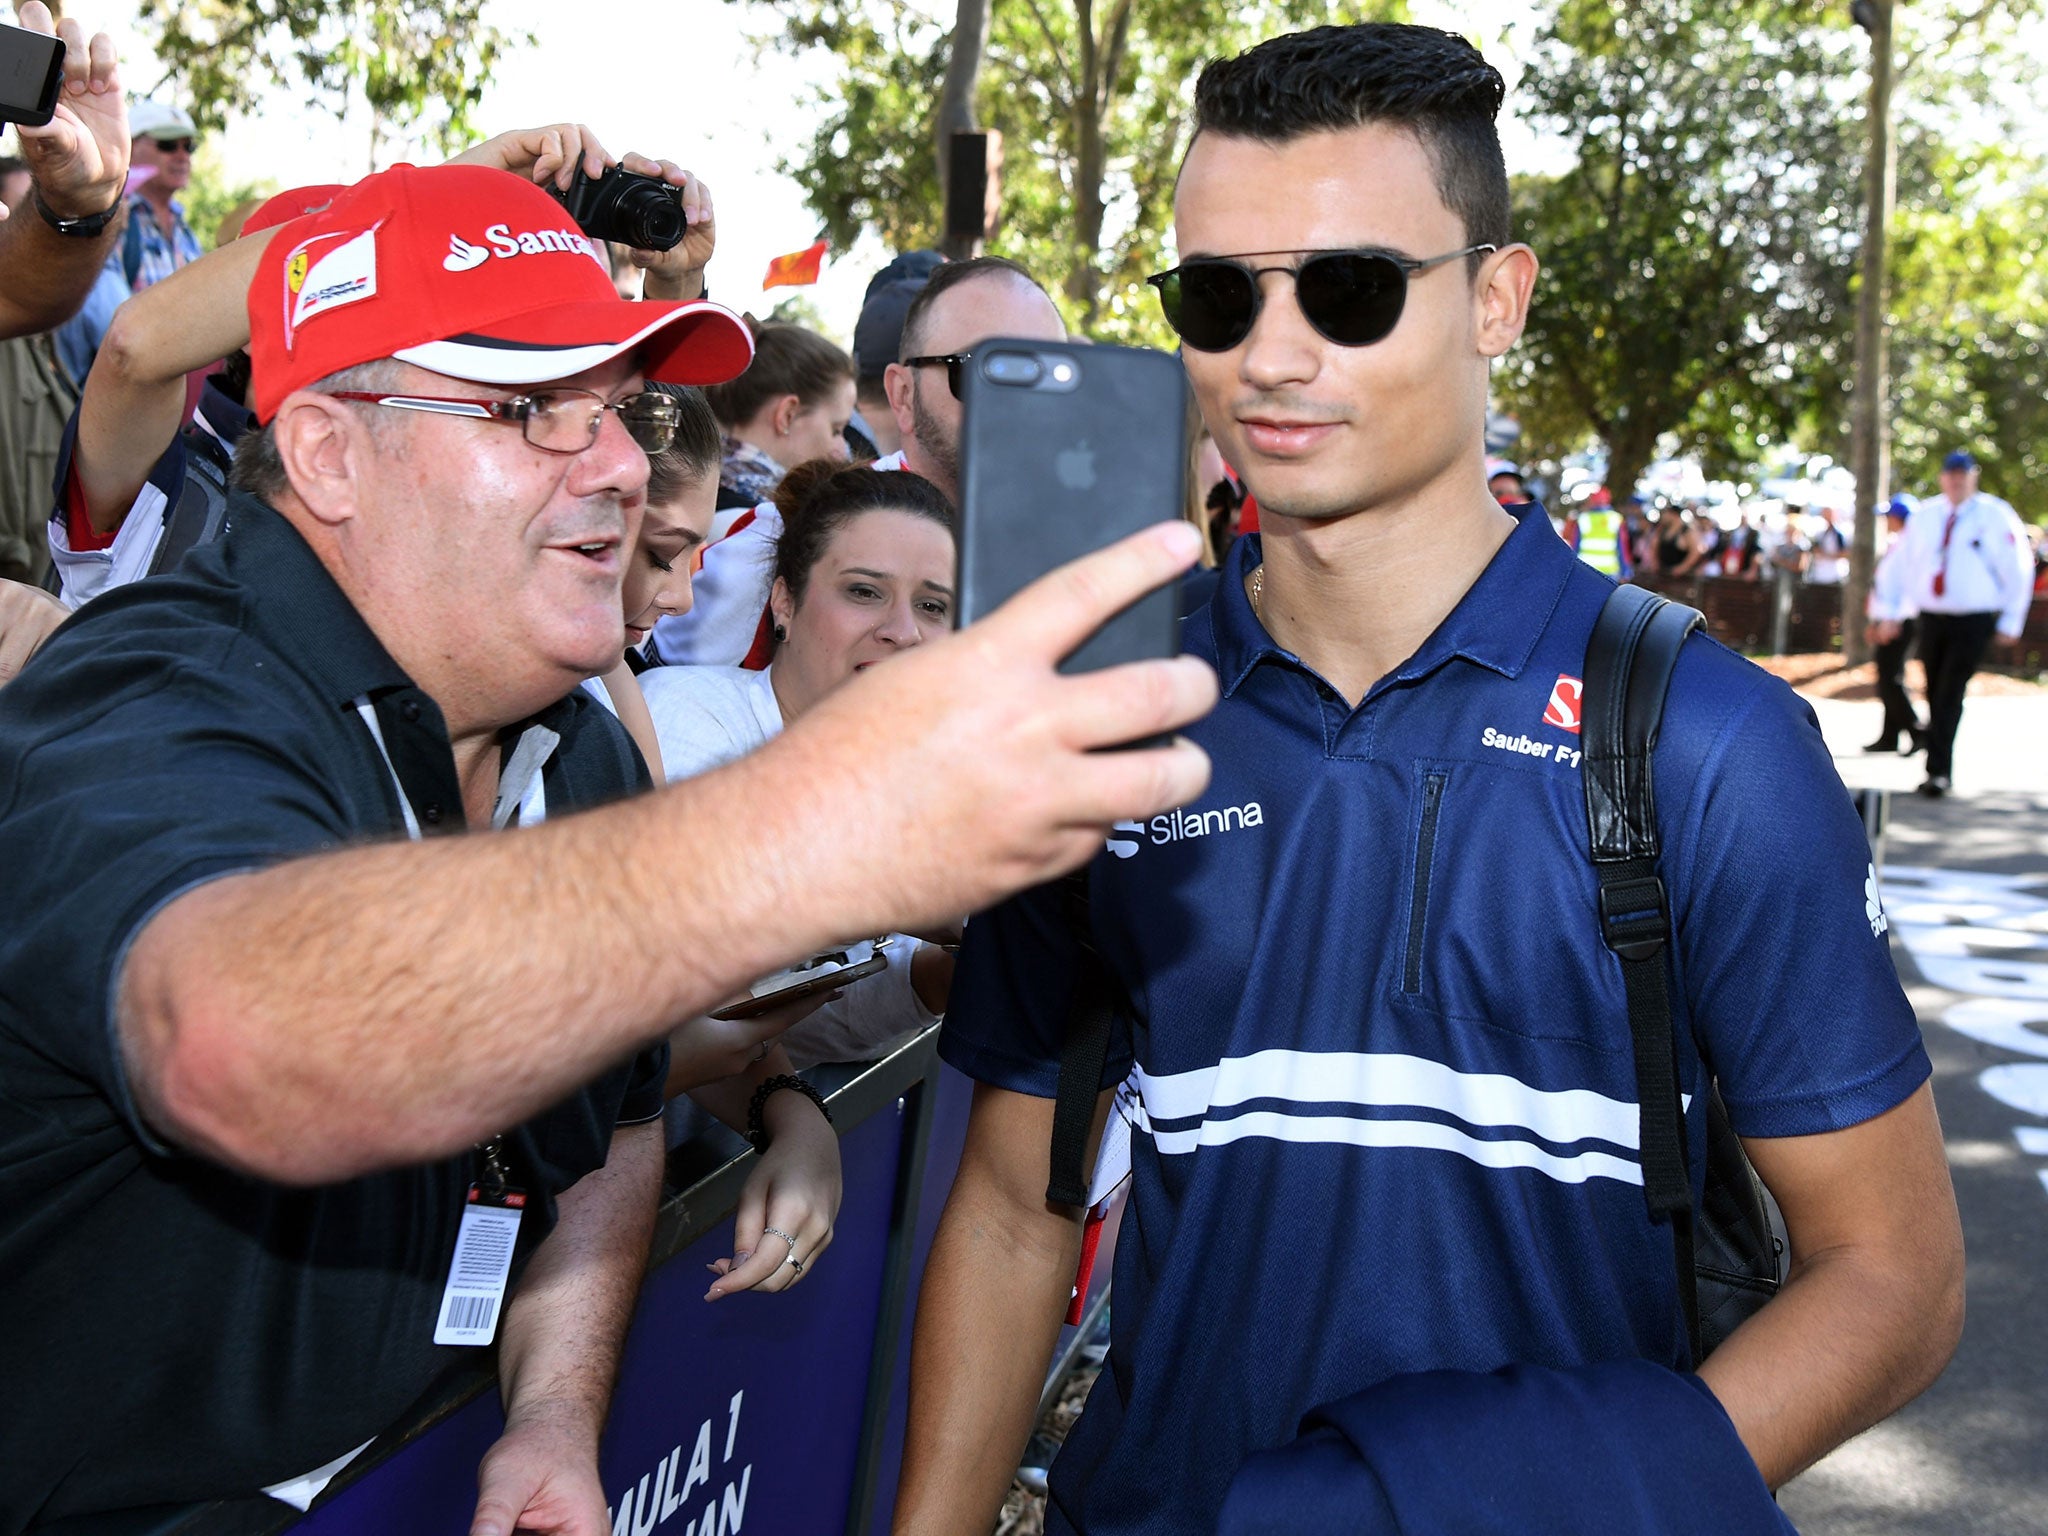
pixel 805 982
pixel 31 75
pixel 1066 448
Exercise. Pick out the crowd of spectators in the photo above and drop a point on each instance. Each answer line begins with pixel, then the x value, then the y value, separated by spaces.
pixel 414 507
pixel 351 533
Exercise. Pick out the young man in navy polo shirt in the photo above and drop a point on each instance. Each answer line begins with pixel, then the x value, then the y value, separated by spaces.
pixel 1385 1115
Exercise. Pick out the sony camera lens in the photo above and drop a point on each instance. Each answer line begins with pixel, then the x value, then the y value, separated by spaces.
pixel 627 208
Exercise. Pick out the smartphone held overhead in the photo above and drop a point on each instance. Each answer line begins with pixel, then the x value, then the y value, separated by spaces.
pixel 31 75
pixel 1067 448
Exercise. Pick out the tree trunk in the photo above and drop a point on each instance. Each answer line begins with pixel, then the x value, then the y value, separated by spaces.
pixel 1084 282
pixel 1629 452
pixel 956 99
pixel 1870 454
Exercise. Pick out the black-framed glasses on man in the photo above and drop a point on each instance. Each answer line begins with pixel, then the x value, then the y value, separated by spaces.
pixel 952 361
pixel 553 420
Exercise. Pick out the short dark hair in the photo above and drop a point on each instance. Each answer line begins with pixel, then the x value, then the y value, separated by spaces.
pixel 788 360
pixel 1433 83
pixel 818 499
pixel 693 453
pixel 258 468
pixel 943 280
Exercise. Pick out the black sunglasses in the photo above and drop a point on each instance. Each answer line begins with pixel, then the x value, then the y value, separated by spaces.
pixel 1354 298
pixel 953 361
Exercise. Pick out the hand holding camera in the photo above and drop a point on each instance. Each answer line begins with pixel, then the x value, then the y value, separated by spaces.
pixel 655 208
pixel 78 155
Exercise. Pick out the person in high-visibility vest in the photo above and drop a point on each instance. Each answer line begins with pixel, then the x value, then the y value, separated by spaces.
pixel 1600 542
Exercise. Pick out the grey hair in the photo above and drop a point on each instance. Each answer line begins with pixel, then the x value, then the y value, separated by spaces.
pixel 259 467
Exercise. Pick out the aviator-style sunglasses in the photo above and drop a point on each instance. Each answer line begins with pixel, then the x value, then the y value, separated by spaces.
pixel 1354 298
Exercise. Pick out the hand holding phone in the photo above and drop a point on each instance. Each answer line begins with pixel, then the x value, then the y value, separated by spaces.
pixel 73 133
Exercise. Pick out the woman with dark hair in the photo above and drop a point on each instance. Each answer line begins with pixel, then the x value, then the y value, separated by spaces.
pixel 790 406
pixel 863 572
pixel 682 488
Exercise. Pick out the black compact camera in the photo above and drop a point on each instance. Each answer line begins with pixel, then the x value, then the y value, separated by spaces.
pixel 630 209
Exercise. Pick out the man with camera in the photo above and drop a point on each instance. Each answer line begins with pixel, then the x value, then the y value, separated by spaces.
pixel 1385 1119
pixel 52 250
pixel 274 1039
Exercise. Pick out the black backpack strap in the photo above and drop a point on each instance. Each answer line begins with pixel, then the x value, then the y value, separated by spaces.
pixel 1086 1049
pixel 1629 663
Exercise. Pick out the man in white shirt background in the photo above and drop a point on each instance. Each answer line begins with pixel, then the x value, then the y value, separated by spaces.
pixel 1970 578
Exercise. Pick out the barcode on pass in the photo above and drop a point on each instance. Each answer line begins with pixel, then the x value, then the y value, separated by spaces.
pixel 468 1314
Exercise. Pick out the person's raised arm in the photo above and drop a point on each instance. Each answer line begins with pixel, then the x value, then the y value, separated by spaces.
pixel 134 398
pixel 387 1005
pixel 78 163
pixel 995 1291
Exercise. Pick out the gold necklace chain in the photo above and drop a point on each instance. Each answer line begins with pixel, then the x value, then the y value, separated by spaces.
pixel 1258 590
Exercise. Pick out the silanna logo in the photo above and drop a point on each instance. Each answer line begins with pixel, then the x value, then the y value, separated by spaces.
pixel 1179 826
pixel 501 242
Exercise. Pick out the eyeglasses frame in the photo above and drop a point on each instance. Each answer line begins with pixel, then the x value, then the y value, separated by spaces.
pixel 953 361
pixel 518 409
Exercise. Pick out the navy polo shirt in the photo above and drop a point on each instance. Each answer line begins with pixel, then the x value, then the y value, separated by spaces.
pixel 177 1332
pixel 1385 1115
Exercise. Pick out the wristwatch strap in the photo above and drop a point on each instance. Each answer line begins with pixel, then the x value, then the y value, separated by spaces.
pixel 88 228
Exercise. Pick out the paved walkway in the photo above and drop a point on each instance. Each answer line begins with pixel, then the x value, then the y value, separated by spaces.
pixel 1967 891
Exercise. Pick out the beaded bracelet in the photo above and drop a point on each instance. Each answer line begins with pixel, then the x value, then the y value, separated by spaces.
pixel 757 1132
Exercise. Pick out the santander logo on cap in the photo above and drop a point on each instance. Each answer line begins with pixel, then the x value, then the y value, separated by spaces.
pixel 466 272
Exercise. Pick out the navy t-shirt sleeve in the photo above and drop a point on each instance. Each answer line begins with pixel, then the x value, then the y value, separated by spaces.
pixel 179 778
pixel 1007 1014
pixel 644 1095
pixel 1782 941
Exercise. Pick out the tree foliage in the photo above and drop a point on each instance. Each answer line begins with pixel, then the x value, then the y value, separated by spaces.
pixel 419 65
pixel 1092 98
pixel 1697 252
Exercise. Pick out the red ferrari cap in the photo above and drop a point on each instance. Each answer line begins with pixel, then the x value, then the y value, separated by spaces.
pixel 286 206
pixel 470 272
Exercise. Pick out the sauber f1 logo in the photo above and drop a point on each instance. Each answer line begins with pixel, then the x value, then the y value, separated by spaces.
pixel 1564 704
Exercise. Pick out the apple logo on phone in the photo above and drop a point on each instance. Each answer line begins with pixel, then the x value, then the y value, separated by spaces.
pixel 1075 467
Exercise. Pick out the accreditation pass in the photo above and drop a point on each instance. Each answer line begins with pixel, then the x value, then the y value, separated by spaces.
pixel 475 1294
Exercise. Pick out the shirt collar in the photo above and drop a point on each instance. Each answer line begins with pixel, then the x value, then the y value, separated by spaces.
pixel 1496 624
pixel 294 607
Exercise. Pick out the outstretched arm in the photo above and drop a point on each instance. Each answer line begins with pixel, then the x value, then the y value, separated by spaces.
pixel 387 1005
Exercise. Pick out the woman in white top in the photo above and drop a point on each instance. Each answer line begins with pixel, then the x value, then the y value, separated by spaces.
pixel 863 571
pixel 793 1193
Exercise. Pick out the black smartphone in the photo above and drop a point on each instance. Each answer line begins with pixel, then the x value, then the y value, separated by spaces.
pixel 1066 448
pixel 31 75
pixel 821 973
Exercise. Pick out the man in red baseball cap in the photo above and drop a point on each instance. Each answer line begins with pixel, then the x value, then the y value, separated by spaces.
pixel 273 1040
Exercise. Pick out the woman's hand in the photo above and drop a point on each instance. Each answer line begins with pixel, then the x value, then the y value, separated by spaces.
pixel 795 1190
pixel 707 1050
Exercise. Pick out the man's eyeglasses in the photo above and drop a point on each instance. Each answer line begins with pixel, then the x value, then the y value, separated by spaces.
pixel 173 146
pixel 554 420
pixel 953 361
pixel 1354 298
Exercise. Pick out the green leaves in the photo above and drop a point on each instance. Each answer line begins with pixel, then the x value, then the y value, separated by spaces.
pixel 417 63
pixel 1092 98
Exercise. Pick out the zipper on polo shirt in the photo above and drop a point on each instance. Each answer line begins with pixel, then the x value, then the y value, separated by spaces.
pixel 1418 900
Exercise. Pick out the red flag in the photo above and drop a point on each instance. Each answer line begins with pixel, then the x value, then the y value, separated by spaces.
pixel 797 269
